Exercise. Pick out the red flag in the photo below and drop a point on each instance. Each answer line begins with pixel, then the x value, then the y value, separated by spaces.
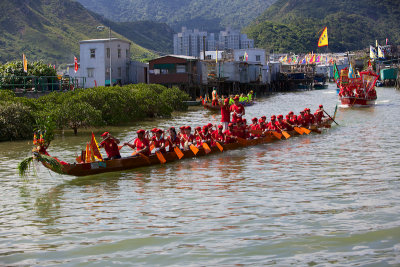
pixel 76 64
pixel 94 148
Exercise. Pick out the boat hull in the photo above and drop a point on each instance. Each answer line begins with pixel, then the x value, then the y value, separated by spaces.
pixel 355 101
pixel 84 169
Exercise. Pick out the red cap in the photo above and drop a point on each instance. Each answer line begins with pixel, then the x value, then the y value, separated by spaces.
pixel 205 127
pixel 188 128
pixel 159 131
pixel 182 128
pixel 260 120
pixel 154 130
pixel 198 128
pixel 236 98
pixel 302 111
pixel 209 125
pixel 254 119
pixel 172 128
pixel 273 117
pixel 263 117
pixel 226 100
pixel 140 131
pixel 104 134
pixel 244 120
pixel 239 120
pixel 291 112
pixel 280 116
pixel 220 126
pixel 230 124
pixel 321 106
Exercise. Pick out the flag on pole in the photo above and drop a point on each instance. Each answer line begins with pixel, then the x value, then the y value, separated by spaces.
pixel 318 59
pixel 76 64
pixel 323 39
pixel 372 52
pixel 381 53
pixel 351 72
pixel 387 41
pixel 246 56
pixel 216 56
pixel 336 74
pixel 94 148
pixel 25 63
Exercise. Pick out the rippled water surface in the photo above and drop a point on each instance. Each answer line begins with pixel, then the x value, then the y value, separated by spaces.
pixel 329 199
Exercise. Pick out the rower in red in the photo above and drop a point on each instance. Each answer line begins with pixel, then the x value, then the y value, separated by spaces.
pixel 308 117
pixel 237 110
pixel 319 114
pixel 141 143
pixel 279 124
pixel 110 145
pixel 158 141
pixel 218 135
pixel 188 138
pixel 229 135
pixel 271 126
pixel 173 140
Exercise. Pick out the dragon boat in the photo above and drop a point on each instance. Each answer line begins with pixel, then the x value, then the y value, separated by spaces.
pixel 127 163
pixel 358 91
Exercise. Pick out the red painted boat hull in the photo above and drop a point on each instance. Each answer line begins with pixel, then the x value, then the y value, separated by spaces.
pixel 354 101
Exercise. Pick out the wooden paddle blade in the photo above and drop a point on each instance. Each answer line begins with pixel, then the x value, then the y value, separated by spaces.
pixel 277 135
pixel 119 147
pixel 219 146
pixel 297 129
pixel 194 149
pixel 305 130
pixel 134 153
pixel 242 141
pixel 286 135
pixel 152 147
pixel 178 152
pixel 207 149
pixel 160 157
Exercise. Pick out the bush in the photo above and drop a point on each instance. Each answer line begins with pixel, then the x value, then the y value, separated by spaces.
pixel 16 121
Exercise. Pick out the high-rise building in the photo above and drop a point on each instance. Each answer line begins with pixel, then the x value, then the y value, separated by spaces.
pixel 191 42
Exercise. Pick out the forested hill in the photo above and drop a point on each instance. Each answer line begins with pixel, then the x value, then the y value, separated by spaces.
pixel 295 25
pixel 51 30
pixel 210 15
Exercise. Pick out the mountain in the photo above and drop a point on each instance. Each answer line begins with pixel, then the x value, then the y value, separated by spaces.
pixel 210 15
pixel 295 25
pixel 51 30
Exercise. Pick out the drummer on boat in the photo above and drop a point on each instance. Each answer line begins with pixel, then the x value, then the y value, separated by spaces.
pixel 319 114
pixel 214 96
pixel 225 113
pixel 110 144
pixel 141 143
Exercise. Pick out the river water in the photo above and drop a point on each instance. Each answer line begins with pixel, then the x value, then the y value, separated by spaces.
pixel 329 199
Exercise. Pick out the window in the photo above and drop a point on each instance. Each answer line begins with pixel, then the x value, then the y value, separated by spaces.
pixel 127 53
pixel 108 52
pixel 258 58
pixel 119 72
pixel 119 53
pixel 208 57
pixel 92 53
pixel 90 72
pixel 180 68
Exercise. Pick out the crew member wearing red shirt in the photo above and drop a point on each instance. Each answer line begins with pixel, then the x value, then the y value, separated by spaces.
pixel 141 144
pixel 301 119
pixel 188 138
pixel 279 124
pixel 110 144
pixel 272 124
pixel 173 140
pixel 225 113
pixel 158 141
pixel 237 110
pixel 309 118
pixel 229 136
pixel 288 124
pixel 319 114
pixel 218 135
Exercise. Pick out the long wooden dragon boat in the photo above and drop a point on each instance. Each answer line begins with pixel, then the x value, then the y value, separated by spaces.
pixel 127 163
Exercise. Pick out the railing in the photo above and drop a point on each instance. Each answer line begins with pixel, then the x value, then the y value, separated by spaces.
pixel 41 83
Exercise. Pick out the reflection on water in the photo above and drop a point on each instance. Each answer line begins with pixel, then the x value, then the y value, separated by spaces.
pixel 310 200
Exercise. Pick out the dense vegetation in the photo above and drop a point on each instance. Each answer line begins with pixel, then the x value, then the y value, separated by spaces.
pixel 51 30
pixel 210 15
pixel 295 25
pixel 99 106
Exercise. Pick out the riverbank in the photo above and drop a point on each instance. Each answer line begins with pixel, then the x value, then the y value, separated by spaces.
pixel 94 107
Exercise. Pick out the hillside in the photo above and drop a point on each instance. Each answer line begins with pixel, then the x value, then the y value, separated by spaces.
pixel 295 25
pixel 210 15
pixel 50 30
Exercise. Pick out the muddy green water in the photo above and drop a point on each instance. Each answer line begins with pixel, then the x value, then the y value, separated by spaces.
pixel 326 200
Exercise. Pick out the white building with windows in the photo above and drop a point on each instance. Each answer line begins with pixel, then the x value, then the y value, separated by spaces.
pixel 95 58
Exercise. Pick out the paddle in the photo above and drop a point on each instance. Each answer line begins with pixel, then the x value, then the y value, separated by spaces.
pixel 331 117
pixel 119 147
pixel 160 157
pixel 207 149
pixel 134 153
pixel 178 152
pixel 297 129
pixel 305 130
pixel 277 135
pixel 285 134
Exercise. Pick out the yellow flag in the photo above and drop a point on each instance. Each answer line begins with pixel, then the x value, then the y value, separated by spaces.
pixel 25 63
pixel 323 39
